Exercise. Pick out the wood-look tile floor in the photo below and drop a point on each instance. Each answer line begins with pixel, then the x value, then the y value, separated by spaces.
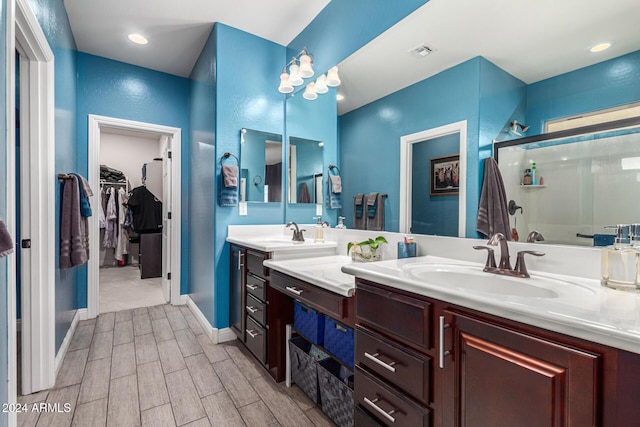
pixel 155 366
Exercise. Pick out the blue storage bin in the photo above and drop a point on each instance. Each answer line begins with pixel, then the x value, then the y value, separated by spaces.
pixel 338 340
pixel 309 323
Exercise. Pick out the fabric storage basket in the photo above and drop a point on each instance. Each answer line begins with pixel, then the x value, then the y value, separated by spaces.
pixel 335 395
pixel 308 323
pixel 304 367
pixel 338 340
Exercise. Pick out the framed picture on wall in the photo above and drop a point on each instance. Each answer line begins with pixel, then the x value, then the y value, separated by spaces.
pixel 445 175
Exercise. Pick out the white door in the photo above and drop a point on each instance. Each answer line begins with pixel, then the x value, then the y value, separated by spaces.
pixel 165 149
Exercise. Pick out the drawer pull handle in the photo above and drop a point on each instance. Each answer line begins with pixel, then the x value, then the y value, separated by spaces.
pixel 252 287
pixel 381 411
pixel 252 333
pixel 443 353
pixel 294 290
pixel 374 358
pixel 252 309
pixel 240 265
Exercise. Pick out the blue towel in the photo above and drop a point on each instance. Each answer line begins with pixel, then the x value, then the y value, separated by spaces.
pixel 227 196
pixel 335 199
pixel 83 186
pixel 372 204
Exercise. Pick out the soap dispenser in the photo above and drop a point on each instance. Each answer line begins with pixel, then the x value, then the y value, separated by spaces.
pixel 341 225
pixel 620 261
pixel 318 231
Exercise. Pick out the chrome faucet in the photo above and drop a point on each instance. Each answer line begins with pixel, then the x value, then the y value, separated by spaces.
pixel 297 233
pixel 535 236
pixel 505 265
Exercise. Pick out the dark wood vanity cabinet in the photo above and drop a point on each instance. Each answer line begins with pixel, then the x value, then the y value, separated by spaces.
pixel 237 295
pixel 495 372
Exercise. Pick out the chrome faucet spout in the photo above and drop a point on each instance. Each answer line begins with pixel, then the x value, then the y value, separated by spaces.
pixel 500 239
pixel 297 233
pixel 289 224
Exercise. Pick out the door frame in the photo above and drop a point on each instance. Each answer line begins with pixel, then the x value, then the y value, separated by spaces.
pixel 406 159
pixel 96 123
pixel 38 294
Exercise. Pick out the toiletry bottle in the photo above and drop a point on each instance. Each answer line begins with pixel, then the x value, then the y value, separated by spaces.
pixel 527 177
pixel 318 231
pixel 533 174
pixel 341 223
pixel 620 262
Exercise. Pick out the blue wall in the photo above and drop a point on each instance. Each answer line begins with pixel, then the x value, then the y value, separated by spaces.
pixel 115 89
pixel 433 214
pixel 376 128
pixel 607 84
pixel 53 20
pixel 4 342
pixel 247 75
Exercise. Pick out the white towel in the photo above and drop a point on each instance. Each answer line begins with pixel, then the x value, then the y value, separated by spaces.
pixel 336 183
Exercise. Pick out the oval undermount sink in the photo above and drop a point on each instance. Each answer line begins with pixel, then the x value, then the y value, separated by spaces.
pixel 473 279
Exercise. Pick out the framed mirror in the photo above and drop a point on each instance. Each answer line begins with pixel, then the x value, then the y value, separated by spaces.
pixel 305 171
pixel 260 167
pixel 585 179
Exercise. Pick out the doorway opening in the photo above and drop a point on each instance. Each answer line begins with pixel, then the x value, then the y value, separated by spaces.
pixel 422 208
pixel 136 168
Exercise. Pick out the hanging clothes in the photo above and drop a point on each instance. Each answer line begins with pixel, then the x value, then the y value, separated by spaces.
pixel 111 231
pixel 147 210
pixel 122 245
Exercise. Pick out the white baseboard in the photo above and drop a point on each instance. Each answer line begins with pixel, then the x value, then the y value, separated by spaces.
pixel 81 314
pixel 216 335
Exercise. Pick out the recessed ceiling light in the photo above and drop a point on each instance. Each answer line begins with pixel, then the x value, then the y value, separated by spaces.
pixel 137 38
pixel 339 97
pixel 600 47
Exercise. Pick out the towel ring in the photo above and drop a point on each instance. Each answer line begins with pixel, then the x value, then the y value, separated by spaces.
pixel 257 180
pixel 226 156
pixel 331 167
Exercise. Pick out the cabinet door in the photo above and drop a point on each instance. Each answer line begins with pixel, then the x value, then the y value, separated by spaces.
pixel 497 377
pixel 238 278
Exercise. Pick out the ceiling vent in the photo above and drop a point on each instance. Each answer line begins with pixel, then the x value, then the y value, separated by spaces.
pixel 421 51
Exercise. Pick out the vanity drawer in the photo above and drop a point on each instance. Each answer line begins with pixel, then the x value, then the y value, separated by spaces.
pixel 256 309
pixel 387 406
pixel 320 299
pixel 408 370
pixel 406 318
pixel 254 263
pixel 256 339
pixel 256 286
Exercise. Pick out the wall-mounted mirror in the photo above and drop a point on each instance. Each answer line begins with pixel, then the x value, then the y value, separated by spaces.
pixel 260 166
pixel 585 179
pixel 305 171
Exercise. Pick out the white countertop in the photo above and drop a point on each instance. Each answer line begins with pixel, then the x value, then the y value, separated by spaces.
pixel 323 272
pixel 579 307
pixel 282 244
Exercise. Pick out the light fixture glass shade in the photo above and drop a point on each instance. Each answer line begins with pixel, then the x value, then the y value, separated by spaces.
pixel 285 85
pixel 333 79
pixel 306 70
pixel 310 92
pixel 321 84
pixel 294 75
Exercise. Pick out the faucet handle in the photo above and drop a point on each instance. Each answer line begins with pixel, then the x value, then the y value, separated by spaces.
pixel 491 259
pixel 521 268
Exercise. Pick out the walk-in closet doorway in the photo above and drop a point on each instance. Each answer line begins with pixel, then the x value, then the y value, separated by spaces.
pixel 137 244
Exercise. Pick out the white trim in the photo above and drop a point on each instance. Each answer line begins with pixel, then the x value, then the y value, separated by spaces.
pixel 95 124
pixel 78 316
pixel 216 335
pixel 406 142
pixel 38 293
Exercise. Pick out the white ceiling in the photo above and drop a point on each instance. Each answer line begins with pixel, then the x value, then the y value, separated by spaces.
pixel 178 30
pixel 530 40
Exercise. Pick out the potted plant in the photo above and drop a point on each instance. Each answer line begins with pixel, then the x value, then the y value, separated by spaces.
pixel 366 250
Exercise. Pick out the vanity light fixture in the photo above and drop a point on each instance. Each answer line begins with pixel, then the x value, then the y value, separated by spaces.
pixel 138 39
pixel 600 47
pixel 301 67
pixel 310 92
pixel 333 79
pixel 514 128
pixel 321 84
pixel 306 69
pixel 285 84
pixel 295 79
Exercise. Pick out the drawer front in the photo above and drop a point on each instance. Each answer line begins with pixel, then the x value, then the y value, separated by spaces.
pixel 363 419
pixel 256 339
pixel 398 315
pixel 317 298
pixel 387 406
pixel 256 309
pixel 409 371
pixel 257 287
pixel 254 263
